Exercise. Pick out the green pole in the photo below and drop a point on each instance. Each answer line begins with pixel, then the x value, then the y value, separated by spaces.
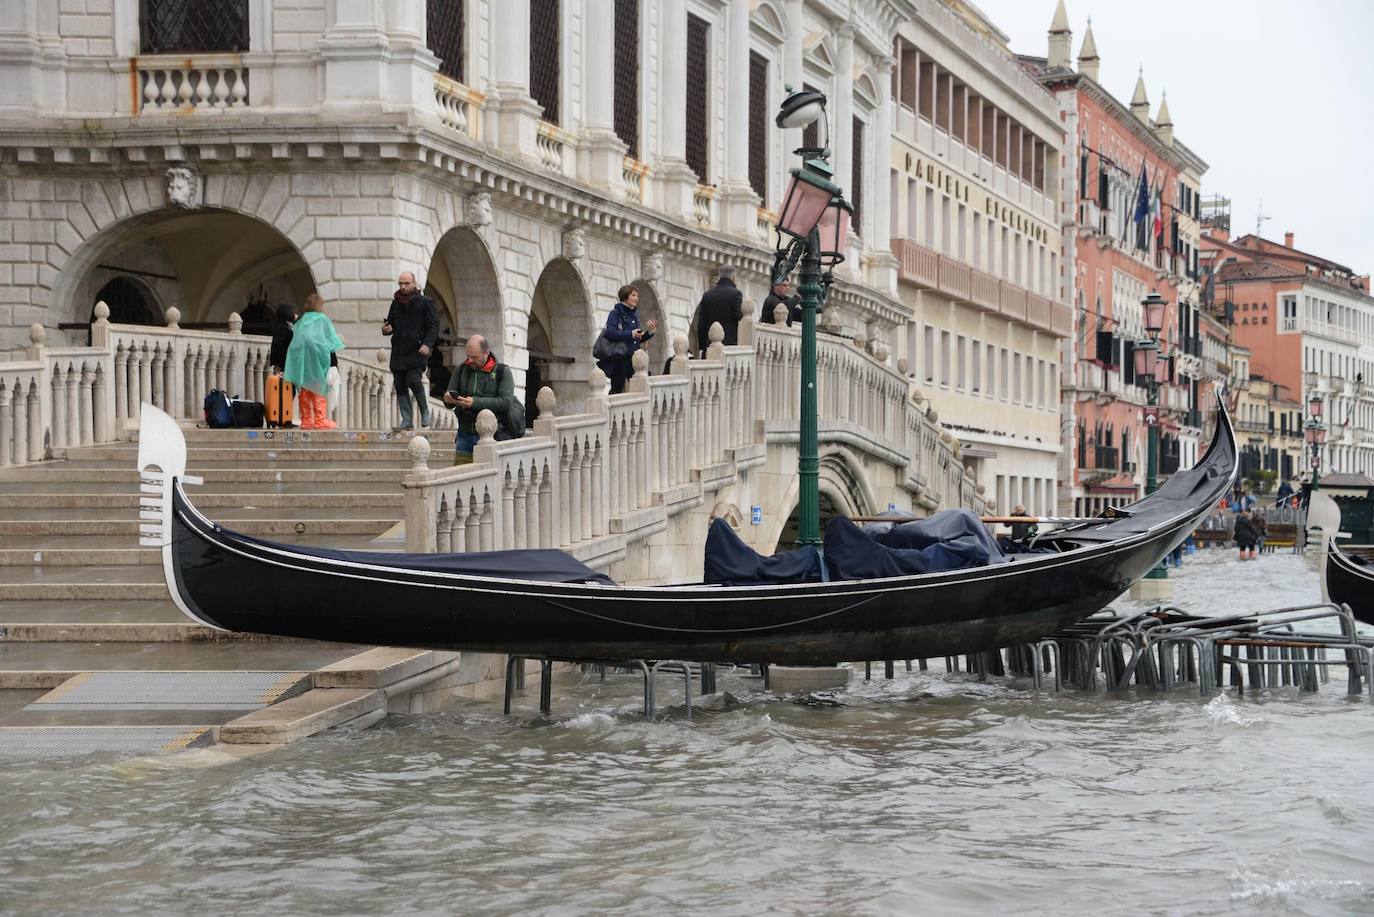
pixel 808 464
pixel 1160 571
pixel 1316 465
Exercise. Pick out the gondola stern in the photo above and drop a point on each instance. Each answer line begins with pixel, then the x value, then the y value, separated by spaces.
pixel 161 470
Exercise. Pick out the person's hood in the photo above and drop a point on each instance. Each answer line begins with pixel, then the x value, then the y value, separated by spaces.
pixel 286 313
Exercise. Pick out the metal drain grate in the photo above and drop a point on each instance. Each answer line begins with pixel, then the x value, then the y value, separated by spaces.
pixel 172 691
pixel 38 741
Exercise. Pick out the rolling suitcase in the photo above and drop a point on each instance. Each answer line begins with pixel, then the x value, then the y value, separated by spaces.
pixel 278 398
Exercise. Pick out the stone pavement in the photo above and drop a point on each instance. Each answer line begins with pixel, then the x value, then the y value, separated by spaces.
pixel 79 596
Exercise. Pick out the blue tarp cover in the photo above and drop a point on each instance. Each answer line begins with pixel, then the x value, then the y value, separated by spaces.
pixel 951 539
pixel 539 565
pixel 731 562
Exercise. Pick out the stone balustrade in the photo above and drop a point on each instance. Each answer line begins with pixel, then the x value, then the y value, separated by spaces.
pixel 203 83
pixel 58 398
pixel 459 106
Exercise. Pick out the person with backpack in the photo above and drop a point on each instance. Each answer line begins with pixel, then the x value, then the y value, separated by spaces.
pixel 313 344
pixel 481 383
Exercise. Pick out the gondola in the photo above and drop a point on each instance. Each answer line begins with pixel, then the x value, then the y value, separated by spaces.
pixel 496 602
pixel 1350 581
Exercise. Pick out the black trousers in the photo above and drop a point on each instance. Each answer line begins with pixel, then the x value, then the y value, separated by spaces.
pixel 620 371
pixel 410 382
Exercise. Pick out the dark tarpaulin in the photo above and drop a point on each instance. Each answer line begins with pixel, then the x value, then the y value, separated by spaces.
pixel 731 562
pixel 538 565
pixel 949 540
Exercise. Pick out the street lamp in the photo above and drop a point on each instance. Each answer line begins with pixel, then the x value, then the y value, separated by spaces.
pixel 813 228
pixel 1315 433
pixel 1152 371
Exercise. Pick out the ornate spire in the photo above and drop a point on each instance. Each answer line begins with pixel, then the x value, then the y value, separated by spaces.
pixel 1088 63
pixel 1140 102
pixel 1164 122
pixel 1061 39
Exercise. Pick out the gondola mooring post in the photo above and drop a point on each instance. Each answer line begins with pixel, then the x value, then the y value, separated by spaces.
pixel 510 683
pixel 546 686
pixel 888 671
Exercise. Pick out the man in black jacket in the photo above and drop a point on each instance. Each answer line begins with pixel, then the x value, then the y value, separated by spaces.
pixel 780 295
pixel 413 326
pixel 722 303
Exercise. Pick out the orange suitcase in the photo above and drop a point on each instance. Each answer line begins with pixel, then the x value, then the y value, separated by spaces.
pixel 277 399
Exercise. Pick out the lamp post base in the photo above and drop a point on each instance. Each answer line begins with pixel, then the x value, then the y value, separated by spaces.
pixel 1151 590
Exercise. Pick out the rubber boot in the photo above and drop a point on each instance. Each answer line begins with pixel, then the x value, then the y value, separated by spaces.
pixel 322 421
pixel 307 403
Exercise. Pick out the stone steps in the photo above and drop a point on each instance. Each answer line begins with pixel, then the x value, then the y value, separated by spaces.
pixel 268 528
pixel 265 454
pixel 245 499
pixel 360 473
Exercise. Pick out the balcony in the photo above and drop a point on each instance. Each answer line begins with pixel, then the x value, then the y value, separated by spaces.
pixel 1106 458
pixel 1168 464
pixel 918 264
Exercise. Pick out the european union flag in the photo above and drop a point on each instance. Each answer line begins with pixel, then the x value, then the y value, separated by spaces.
pixel 1142 198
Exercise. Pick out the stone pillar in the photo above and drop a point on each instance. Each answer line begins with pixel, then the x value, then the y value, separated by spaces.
pixel 676 182
pixel 352 51
pixel 882 264
pixel 512 116
pixel 738 202
pixel 601 154
pixel 31 59
pixel 792 53
pixel 841 110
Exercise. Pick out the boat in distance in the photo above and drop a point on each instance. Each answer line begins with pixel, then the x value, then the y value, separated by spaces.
pixel 1350 582
pixel 492 603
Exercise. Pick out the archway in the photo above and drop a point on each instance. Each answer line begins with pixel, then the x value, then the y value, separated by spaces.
pixel 206 263
pixel 843 492
pixel 466 290
pixel 129 302
pixel 562 327
pixel 660 348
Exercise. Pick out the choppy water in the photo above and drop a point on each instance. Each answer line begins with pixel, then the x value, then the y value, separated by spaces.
pixel 928 794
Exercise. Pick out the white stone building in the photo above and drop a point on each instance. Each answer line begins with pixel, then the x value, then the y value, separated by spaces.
pixel 527 157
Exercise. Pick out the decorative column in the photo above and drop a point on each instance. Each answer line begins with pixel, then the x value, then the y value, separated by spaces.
pixel 842 109
pixel 601 153
pixel 882 264
pixel 512 116
pixel 676 182
pixel 738 202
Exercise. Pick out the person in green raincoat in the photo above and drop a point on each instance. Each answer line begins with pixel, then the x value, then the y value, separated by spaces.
pixel 307 362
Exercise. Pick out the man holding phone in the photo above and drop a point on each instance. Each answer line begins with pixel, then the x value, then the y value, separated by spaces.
pixel 412 323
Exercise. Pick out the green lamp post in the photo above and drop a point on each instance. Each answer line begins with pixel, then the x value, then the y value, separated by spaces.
pixel 1315 432
pixel 813 228
pixel 1152 371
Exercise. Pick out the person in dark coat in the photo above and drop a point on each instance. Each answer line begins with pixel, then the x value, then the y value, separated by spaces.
pixel 623 325
pixel 780 294
pixel 412 323
pixel 281 336
pixel 1246 535
pixel 722 303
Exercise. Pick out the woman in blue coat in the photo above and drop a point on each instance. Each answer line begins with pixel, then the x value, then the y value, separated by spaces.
pixel 623 325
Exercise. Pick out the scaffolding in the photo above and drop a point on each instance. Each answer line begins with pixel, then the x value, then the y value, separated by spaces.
pixel 1216 213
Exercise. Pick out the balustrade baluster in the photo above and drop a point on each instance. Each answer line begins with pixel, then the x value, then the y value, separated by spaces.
pixel 461 517
pixel 593 489
pixel 579 511
pixel 155 389
pixel 488 540
pixel 86 409
pixel 620 469
pixel 35 424
pixel 21 424
pixel 102 420
pixel 534 533
pixel 72 394
pixel 121 375
pixel 132 391
pixel 202 384
pixel 59 409
pixel 507 511
pixel 564 496
pixel 443 540
pixel 6 426
pixel 519 519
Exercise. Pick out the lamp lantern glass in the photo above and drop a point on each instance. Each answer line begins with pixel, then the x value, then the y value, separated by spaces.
pixel 834 230
pixel 1314 405
pixel 1162 370
pixel 808 195
pixel 1154 306
pixel 1146 359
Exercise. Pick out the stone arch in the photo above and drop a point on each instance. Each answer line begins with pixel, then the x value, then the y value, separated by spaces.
pixel 561 319
pixel 844 490
pixel 463 282
pixel 167 248
pixel 651 307
pixel 129 300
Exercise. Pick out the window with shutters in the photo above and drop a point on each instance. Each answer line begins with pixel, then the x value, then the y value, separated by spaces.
pixel 444 34
pixel 856 178
pixel 627 75
pixel 758 124
pixel 545 57
pixel 698 96
pixel 192 26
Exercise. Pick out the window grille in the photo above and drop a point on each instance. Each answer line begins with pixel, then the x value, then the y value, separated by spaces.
pixel 545 60
pixel 627 75
pixel 192 26
pixel 856 177
pixel 698 92
pixel 444 30
pixel 811 134
pixel 758 124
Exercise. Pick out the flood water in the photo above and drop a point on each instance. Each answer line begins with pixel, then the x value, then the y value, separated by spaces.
pixel 931 793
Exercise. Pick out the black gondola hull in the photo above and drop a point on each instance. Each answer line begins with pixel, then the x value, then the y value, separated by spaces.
pixel 243 586
pixel 1350 583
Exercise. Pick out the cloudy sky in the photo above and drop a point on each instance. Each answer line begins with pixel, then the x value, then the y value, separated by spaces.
pixel 1276 95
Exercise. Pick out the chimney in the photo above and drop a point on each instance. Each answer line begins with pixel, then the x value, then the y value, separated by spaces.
pixel 1288 240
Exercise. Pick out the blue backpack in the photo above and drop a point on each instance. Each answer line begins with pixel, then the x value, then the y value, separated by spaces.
pixel 219 412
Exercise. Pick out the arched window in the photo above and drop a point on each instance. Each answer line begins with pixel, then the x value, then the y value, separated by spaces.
pixel 127 302
pixel 192 26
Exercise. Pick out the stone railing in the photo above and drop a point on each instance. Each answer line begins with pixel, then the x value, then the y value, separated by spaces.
pixel 207 82
pixel 58 398
pixel 552 146
pixel 632 174
pixel 459 106
pixel 703 199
